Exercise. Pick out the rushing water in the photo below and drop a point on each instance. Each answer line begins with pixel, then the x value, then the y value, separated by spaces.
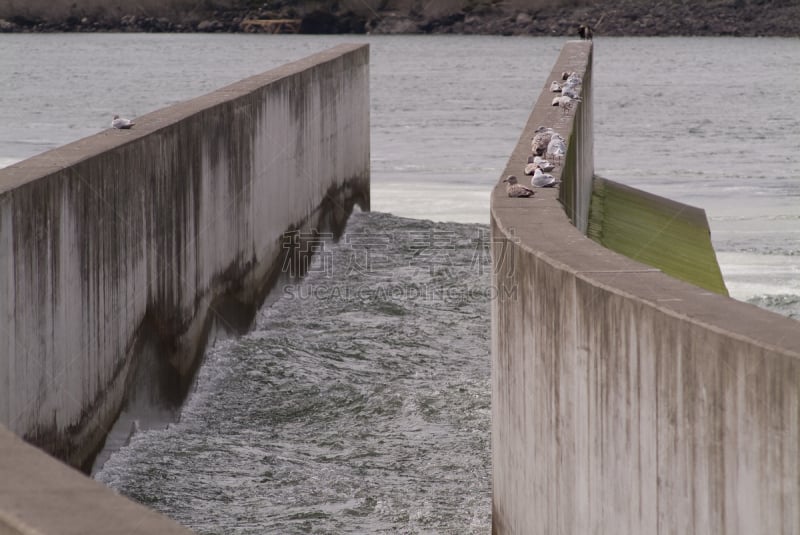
pixel 360 402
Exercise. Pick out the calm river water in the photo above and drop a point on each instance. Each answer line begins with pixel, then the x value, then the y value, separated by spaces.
pixel 360 402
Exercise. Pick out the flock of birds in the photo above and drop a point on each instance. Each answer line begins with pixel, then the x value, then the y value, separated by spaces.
pixel 548 147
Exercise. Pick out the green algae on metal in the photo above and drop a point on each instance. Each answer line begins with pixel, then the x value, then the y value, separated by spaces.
pixel 660 232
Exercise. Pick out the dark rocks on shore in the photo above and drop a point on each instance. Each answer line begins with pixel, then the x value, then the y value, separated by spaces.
pixel 610 18
pixel 325 22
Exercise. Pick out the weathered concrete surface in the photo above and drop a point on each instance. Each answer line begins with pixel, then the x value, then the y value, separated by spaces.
pixel 147 235
pixel 625 401
pixel 40 495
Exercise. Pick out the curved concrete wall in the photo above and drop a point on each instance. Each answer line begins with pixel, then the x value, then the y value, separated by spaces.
pixel 625 401
pixel 134 235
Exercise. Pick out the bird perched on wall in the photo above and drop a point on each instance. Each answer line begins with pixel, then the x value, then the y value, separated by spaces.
pixel 571 91
pixel 515 189
pixel 557 148
pixel 530 167
pixel 555 87
pixel 542 180
pixel 543 164
pixel 572 76
pixel 119 122
pixel 540 140
pixel 537 162
pixel 585 32
pixel 563 101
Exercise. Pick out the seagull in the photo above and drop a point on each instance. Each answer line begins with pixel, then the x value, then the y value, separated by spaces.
pixel 119 122
pixel 571 91
pixel 585 31
pixel 543 164
pixel 557 148
pixel 542 180
pixel 515 189
pixel 555 87
pixel 573 79
pixel 540 140
pixel 537 162
pixel 563 101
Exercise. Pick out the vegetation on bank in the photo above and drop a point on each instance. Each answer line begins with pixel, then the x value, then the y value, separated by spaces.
pixel 506 17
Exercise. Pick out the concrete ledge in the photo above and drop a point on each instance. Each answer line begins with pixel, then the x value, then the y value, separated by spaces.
pixel 39 495
pixel 140 239
pixel 625 401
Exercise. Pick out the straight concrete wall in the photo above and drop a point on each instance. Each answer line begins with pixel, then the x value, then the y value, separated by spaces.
pixel 625 401
pixel 136 237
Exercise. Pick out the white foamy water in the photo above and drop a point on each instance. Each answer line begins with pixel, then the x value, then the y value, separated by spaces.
pixel 5 162
pixel 360 403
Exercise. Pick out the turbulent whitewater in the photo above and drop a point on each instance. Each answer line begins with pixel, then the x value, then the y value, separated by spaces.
pixel 360 403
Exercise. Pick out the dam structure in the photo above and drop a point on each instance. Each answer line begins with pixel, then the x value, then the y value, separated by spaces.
pixel 626 400
pixel 130 246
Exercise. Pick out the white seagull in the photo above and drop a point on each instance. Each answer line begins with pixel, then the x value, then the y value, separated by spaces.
pixel 543 164
pixel 564 102
pixel 515 189
pixel 555 87
pixel 119 122
pixel 557 148
pixel 573 78
pixel 542 180
pixel 571 91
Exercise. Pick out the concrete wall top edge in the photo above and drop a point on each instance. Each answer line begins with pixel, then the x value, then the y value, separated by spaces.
pixel 677 298
pixel 38 494
pixel 540 227
pixel 51 161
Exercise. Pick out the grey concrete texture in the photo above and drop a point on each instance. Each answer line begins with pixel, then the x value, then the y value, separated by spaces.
pixel 40 495
pixel 625 401
pixel 134 238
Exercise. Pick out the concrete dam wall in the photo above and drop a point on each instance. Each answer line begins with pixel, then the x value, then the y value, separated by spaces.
pixel 146 237
pixel 626 401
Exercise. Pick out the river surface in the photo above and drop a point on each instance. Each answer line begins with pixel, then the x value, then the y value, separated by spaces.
pixel 360 401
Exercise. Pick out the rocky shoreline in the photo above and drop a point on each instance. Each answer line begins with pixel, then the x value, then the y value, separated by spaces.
pixel 746 18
